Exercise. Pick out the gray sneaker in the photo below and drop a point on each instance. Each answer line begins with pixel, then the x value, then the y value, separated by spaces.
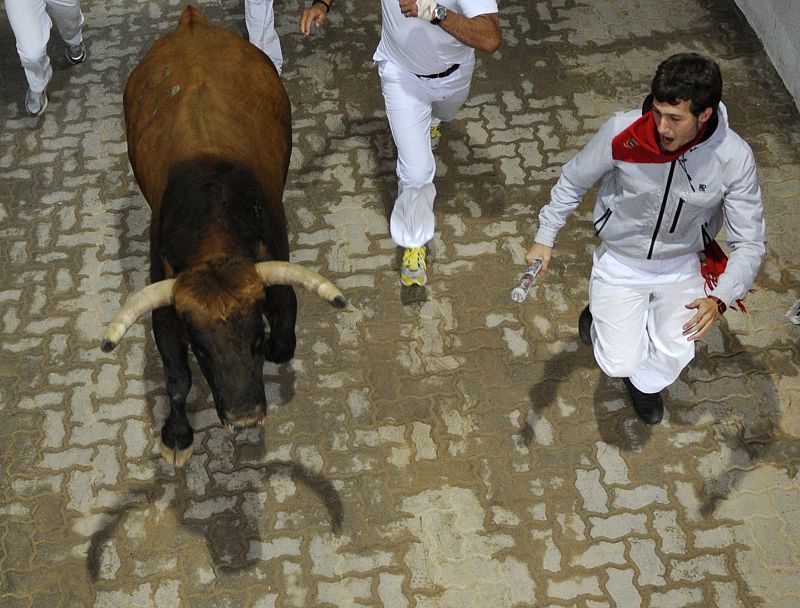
pixel 76 53
pixel 35 103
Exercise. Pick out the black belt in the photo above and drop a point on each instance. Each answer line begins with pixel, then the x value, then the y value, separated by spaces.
pixel 447 72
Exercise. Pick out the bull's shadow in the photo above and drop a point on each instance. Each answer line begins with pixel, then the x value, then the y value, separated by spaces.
pixel 233 537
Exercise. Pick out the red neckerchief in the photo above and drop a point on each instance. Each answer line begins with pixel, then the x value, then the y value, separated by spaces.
pixel 639 143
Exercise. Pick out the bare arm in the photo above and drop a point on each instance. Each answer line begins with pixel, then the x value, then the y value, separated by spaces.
pixel 481 32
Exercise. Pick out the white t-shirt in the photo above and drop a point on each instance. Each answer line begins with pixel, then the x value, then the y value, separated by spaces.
pixel 421 48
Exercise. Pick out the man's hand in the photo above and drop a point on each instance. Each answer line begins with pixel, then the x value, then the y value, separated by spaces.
pixel 537 251
pixel 703 320
pixel 316 15
pixel 418 8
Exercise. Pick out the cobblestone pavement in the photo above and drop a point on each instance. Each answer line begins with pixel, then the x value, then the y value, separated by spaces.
pixel 447 449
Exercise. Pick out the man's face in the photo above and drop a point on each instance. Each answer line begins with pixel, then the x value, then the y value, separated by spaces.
pixel 676 124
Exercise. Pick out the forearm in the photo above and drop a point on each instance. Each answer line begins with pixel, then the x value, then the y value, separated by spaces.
pixel 481 32
pixel 743 265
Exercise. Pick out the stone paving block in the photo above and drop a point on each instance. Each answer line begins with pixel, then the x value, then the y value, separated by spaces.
pixel 637 498
pixel 594 495
pixel 650 566
pixel 621 588
pixel 699 568
pixel 617 526
pixel 574 588
pixel 677 598
pixel 600 554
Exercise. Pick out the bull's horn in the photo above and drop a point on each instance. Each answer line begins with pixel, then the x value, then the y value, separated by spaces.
pixel 287 273
pixel 151 297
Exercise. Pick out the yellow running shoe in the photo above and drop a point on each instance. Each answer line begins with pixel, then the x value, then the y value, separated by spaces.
pixel 413 269
pixel 436 134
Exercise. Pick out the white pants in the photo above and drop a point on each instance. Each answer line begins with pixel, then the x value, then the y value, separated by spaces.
pixel 259 17
pixel 638 309
pixel 412 104
pixel 31 25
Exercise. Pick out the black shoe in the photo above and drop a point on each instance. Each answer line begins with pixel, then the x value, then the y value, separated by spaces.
pixel 649 406
pixel 76 53
pixel 585 326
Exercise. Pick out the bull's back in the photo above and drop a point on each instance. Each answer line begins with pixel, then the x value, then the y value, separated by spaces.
pixel 203 91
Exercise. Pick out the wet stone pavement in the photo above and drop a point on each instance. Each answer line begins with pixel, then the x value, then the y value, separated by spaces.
pixel 443 448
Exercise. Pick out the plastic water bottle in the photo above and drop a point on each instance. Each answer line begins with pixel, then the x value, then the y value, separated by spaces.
pixel 520 292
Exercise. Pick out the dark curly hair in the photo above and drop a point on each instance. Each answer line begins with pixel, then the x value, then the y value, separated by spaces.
pixel 688 77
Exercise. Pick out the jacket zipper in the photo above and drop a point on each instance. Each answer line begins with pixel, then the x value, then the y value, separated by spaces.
pixel 603 218
pixel 677 215
pixel 661 211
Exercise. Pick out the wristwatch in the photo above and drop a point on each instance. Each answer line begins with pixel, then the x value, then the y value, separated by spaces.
pixel 439 13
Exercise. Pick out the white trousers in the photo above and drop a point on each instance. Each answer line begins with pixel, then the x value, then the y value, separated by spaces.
pixel 412 105
pixel 31 26
pixel 259 17
pixel 638 309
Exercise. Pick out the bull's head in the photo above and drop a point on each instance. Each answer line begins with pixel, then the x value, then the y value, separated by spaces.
pixel 221 306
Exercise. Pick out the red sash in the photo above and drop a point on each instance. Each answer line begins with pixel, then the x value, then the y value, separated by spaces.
pixel 712 265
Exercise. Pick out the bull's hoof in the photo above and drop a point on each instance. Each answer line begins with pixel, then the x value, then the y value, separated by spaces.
pixel 175 456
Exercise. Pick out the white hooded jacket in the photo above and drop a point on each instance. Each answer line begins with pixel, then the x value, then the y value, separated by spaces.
pixel 659 210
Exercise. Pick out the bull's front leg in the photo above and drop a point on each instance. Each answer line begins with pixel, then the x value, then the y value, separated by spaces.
pixel 176 434
pixel 281 313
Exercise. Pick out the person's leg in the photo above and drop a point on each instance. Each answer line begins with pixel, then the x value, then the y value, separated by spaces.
pixel 409 114
pixel 451 93
pixel 31 26
pixel 670 351
pixel 667 286
pixel 619 325
pixel 620 300
pixel 259 17
pixel 69 20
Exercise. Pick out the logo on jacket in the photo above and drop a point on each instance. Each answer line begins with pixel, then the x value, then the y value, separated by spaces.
pixel 702 187
pixel 631 143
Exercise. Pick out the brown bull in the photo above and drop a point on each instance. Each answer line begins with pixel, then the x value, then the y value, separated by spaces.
pixel 209 139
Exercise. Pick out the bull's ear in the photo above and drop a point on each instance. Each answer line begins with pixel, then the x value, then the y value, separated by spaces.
pixel 143 301
pixel 287 273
